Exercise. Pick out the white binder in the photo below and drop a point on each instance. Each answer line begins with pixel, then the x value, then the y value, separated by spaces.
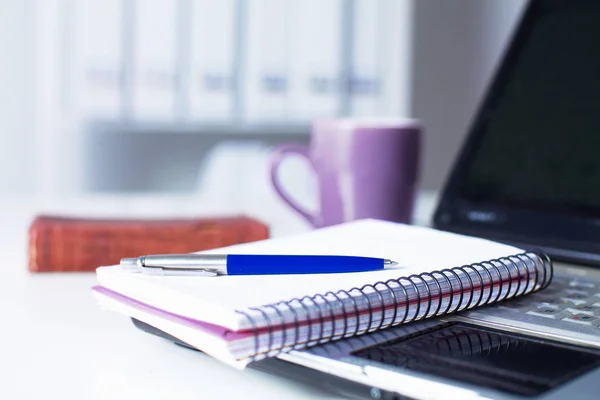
pixel 155 59
pixel 365 80
pixel 211 80
pixel 267 50
pixel 97 58
pixel 315 58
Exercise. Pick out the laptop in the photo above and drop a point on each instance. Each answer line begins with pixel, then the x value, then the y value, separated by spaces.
pixel 528 174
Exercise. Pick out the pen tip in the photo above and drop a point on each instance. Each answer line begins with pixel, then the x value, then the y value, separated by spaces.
pixel 389 262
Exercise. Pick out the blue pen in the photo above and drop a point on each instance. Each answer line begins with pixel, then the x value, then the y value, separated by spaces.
pixel 250 264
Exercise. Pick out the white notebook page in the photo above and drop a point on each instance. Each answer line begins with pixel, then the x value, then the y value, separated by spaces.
pixel 216 299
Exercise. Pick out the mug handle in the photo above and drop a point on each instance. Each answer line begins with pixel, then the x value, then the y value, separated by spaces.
pixel 278 154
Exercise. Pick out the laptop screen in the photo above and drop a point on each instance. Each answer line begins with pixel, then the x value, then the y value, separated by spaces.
pixel 534 148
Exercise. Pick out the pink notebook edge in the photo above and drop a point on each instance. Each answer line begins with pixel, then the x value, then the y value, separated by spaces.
pixel 214 330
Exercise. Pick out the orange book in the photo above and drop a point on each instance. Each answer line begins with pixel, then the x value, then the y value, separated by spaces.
pixel 61 244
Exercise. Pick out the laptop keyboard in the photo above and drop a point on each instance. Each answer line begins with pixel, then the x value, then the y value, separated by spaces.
pixel 569 306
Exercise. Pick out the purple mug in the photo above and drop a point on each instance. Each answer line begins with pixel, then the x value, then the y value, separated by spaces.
pixel 364 168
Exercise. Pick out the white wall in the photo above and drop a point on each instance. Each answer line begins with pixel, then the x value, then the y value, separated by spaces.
pixel 16 95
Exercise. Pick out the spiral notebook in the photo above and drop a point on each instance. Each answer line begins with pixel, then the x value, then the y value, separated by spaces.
pixel 238 319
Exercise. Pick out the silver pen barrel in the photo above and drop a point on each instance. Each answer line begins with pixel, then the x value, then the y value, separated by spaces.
pixel 185 261
pixel 216 263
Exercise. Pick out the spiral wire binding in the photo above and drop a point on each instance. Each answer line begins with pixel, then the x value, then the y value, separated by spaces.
pixel 416 288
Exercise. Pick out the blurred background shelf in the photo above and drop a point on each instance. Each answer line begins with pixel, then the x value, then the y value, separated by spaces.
pixel 233 131
pixel 228 159
pixel 162 96
pixel 150 95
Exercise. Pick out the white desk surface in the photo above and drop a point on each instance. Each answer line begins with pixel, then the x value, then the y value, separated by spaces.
pixel 55 342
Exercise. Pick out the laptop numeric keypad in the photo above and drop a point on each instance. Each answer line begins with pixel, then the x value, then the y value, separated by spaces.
pixel 571 305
